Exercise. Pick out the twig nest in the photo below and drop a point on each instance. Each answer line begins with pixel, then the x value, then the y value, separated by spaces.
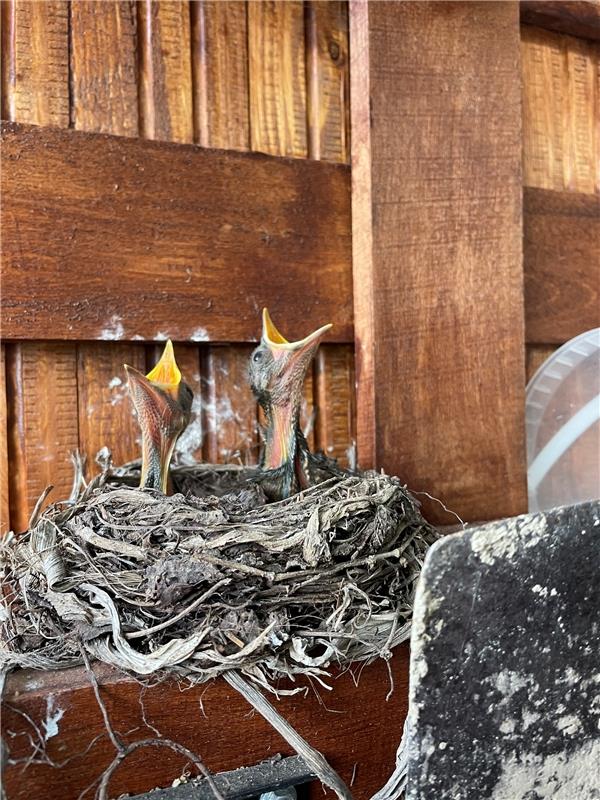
pixel 197 585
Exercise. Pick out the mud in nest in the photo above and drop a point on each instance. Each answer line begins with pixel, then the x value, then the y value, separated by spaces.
pixel 197 584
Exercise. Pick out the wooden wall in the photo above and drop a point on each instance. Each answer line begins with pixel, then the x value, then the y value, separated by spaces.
pixel 274 77
pixel 561 153
pixel 268 77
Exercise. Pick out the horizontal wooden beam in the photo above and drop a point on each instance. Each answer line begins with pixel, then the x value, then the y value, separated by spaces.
pixel 577 17
pixel 356 727
pixel 561 250
pixel 115 238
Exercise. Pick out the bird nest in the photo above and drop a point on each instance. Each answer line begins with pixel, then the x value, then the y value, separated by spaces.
pixel 216 579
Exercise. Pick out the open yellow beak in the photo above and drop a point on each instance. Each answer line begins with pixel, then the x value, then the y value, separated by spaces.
pixel 166 373
pixel 275 341
pixel 160 415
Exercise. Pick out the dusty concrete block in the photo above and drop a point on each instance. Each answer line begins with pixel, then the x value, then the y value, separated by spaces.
pixel 505 665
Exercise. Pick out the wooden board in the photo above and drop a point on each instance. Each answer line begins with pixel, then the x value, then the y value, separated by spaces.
pixel 446 340
pixel 103 67
pixel 577 17
pixel 335 420
pixel 327 76
pixel 104 72
pixel 35 62
pixel 106 415
pixel 172 240
pixel 35 89
pixel 220 70
pixel 359 738
pixel 562 264
pixel 4 506
pixel 561 107
pixel 165 71
pixel 43 429
pixel 277 78
pixel 231 431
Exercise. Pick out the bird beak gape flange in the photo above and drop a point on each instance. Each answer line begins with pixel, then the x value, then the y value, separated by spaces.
pixel 293 358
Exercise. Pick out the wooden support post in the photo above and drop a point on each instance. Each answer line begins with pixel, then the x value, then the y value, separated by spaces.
pixel 438 275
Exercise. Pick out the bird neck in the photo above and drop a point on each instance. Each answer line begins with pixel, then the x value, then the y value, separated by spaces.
pixel 281 434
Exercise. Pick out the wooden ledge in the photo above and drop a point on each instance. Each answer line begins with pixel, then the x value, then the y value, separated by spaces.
pixel 577 17
pixel 357 728
pixel 106 237
pixel 561 250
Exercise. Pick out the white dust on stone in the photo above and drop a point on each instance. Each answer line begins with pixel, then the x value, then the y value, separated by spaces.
pixel 502 541
pixel 559 776
pixel 569 724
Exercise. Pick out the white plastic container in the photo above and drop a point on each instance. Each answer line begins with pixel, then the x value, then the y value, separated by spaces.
pixel 563 425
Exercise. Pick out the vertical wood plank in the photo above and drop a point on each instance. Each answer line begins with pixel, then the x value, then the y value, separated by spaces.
pixel 447 336
pixel 583 115
pixel 327 77
pixel 362 234
pixel 103 60
pixel 335 421
pixel 4 505
pixel 106 99
pixel 560 111
pixel 43 424
pixel 221 119
pixel 328 106
pixel 220 74
pixel 230 410
pixel 165 71
pixel 35 62
pixel 277 78
pixel 543 100
pixel 536 355
pixel 106 416
pixel 41 389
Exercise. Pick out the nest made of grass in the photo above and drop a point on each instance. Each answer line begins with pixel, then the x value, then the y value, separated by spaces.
pixel 196 584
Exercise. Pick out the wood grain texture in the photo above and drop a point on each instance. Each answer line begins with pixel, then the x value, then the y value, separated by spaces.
pixel 561 253
pixel 561 107
pixel 327 76
pixel 103 67
pixel 536 355
pixel 172 240
pixel 362 234
pixel 335 421
pixel 220 72
pixel 4 496
pixel 230 409
pixel 358 738
pixel 35 62
pixel 448 337
pixel 165 71
pixel 35 89
pixel 328 108
pixel 577 17
pixel 106 416
pixel 277 77
pixel 43 426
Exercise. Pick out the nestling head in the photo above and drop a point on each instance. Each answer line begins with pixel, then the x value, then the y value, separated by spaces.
pixel 277 367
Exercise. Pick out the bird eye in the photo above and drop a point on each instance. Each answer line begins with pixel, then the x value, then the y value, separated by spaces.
pixel 257 355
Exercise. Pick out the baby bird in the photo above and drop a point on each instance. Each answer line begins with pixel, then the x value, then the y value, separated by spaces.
pixel 163 402
pixel 276 373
